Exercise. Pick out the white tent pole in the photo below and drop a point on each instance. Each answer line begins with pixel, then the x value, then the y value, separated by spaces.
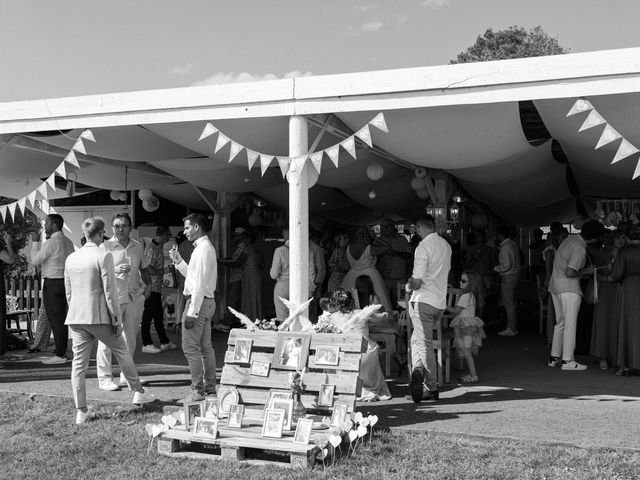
pixel 298 211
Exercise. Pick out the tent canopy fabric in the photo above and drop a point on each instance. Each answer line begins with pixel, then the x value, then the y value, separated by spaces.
pixel 462 121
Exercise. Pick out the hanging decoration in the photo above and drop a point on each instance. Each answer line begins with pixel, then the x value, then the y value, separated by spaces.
pixel 375 171
pixel 38 199
pixel 608 135
pixel 348 145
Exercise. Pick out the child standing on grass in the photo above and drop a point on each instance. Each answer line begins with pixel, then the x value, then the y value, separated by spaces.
pixel 468 329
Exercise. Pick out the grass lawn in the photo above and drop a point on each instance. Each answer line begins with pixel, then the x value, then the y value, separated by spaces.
pixel 38 440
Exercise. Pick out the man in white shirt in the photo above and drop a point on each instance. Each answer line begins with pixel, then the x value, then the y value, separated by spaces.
pixel 131 270
pixel 508 267
pixel 280 273
pixel 428 284
pixel 51 255
pixel 199 288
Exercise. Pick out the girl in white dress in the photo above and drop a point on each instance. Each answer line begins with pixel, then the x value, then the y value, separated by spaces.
pixel 468 329
pixel 365 264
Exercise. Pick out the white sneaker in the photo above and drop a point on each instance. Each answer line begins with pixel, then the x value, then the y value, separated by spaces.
pixel 168 346
pixel 55 360
pixel 146 397
pixel 109 387
pixel 123 381
pixel 507 332
pixel 82 417
pixel 573 366
pixel 150 349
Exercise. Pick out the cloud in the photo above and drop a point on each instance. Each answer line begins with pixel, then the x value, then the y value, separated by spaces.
pixel 364 8
pixel 401 19
pixel 371 26
pixel 181 71
pixel 434 3
pixel 222 77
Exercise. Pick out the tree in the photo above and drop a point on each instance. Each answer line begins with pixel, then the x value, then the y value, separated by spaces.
pixel 514 42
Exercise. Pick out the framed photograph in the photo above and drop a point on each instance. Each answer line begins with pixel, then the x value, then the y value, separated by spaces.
pixel 205 427
pixel 292 350
pixel 272 426
pixel 287 406
pixel 327 355
pixel 303 431
pixel 211 407
pixel 227 399
pixel 260 369
pixel 273 395
pixel 339 414
pixel 325 396
pixel 236 412
pixel 242 351
pixel 191 411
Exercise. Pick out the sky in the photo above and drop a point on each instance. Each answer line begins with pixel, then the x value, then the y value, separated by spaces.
pixel 79 47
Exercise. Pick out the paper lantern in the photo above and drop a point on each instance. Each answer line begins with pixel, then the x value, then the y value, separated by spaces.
pixel 479 221
pixel 417 183
pixel 375 172
pixel 423 193
pixel 152 204
pixel 312 175
pixel 115 195
pixel 145 194
pixel 123 197
pixel 420 172
pixel 372 194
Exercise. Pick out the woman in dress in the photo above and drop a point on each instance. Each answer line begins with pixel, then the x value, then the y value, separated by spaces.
pixel 361 256
pixel 338 262
pixel 347 320
pixel 604 335
pixel 626 272
pixel 252 263
pixel 8 256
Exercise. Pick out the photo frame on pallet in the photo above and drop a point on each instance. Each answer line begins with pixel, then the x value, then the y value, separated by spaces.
pixel 260 369
pixel 242 351
pixel 273 420
pixel 325 395
pixel 273 395
pixel 285 404
pixel 205 427
pixel 191 411
pixel 303 431
pixel 339 414
pixel 327 355
pixel 292 351
pixel 236 413
pixel 211 407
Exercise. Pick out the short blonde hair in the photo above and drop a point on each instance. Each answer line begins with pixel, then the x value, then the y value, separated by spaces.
pixel 91 226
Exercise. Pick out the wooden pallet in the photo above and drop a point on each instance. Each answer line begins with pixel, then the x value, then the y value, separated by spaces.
pixel 242 445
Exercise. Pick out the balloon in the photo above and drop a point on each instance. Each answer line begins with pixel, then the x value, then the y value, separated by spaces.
pixel 312 175
pixel 417 183
pixel 123 197
pixel 375 171
pixel 420 172
pixel 152 204
pixel 423 193
pixel 145 194
pixel 115 195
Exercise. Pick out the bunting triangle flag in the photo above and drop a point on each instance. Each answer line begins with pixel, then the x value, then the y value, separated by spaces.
pixel 265 161
pixel 333 153
pixel 22 205
pixel 636 173
pixel 609 134
pixel 51 181
pixel 624 150
pixel 32 198
pixel 61 170
pixel 79 146
pixel 364 134
pixel 42 190
pixel 207 131
pixel 284 163
pixel 316 159
pixel 221 142
pixel 593 120
pixel 12 210
pixel 88 135
pixel 71 158
pixel 379 122
pixel 252 156
pixel 349 145
pixel 581 105
pixel 3 211
pixel 236 148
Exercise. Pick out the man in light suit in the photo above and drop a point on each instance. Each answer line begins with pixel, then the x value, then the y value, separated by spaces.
pixel 94 313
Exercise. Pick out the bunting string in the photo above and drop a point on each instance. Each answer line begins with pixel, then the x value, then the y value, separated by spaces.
pixel 265 160
pixel 41 192
pixel 608 135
